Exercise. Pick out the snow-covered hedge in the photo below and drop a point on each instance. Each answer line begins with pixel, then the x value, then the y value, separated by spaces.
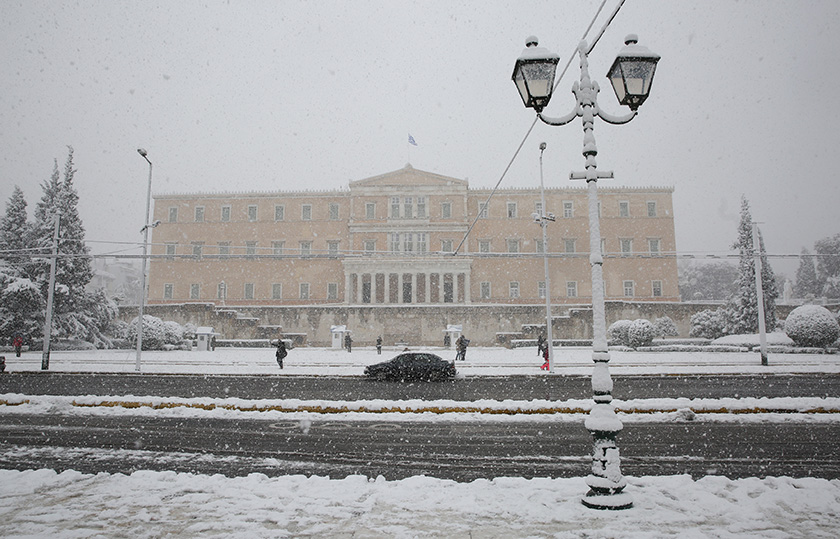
pixel 640 333
pixel 618 332
pixel 708 324
pixel 154 334
pixel 665 327
pixel 812 325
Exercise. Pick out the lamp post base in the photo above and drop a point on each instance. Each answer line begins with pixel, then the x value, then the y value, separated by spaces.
pixel 607 501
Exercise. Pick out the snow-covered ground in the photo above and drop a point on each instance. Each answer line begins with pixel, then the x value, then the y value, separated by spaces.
pixel 42 503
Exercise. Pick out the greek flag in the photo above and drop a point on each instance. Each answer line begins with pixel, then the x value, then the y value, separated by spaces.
pixel 411 140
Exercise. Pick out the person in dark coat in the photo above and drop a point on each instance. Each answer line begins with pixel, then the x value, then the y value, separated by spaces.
pixel 348 343
pixel 379 345
pixel 281 352
pixel 540 345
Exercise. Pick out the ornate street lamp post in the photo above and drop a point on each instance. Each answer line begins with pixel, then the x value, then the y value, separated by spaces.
pixel 631 76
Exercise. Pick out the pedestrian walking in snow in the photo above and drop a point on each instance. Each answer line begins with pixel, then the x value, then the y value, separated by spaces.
pixel 379 345
pixel 545 366
pixel 18 343
pixel 281 352
pixel 348 343
pixel 461 348
pixel 540 345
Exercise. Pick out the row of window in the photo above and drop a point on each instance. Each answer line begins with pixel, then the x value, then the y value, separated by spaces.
pixel 400 208
pixel 248 291
pixel 403 242
pixel 485 292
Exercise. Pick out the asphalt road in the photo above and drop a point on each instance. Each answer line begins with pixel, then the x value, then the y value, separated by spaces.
pixel 448 450
pixel 466 389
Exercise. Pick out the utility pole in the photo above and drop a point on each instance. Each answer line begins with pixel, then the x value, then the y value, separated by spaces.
pixel 759 292
pixel 45 354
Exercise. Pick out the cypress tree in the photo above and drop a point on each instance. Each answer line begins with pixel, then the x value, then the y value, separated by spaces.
pixel 14 230
pixel 806 276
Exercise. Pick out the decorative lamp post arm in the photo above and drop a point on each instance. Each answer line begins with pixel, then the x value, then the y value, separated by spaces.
pixel 615 120
pixel 563 120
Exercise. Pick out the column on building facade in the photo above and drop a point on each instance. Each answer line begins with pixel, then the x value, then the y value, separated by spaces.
pixel 359 281
pixel 467 288
pixel 400 284
pixel 347 287
pixel 387 288
pixel 454 288
pixel 372 288
pixel 414 288
pixel 428 298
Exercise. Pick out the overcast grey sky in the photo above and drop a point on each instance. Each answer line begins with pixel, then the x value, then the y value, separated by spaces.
pixel 283 95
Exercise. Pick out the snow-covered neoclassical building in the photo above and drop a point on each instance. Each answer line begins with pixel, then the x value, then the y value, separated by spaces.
pixel 397 238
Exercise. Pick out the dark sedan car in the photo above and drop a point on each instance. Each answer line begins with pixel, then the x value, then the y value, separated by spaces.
pixel 412 366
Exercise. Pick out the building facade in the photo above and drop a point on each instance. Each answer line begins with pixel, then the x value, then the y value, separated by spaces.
pixel 408 237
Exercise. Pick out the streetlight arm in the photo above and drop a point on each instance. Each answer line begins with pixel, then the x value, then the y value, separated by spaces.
pixel 563 120
pixel 615 120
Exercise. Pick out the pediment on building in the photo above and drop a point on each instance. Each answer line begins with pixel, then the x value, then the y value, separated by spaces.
pixel 409 176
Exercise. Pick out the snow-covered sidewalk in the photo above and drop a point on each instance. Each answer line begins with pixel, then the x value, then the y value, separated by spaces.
pixel 489 361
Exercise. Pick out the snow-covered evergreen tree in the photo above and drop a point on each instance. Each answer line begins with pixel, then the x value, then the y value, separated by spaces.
pixel 743 305
pixel 21 304
pixel 806 277
pixel 828 265
pixel 14 230
pixel 77 313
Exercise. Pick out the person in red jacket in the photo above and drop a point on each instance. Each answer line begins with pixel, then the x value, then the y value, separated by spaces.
pixel 18 343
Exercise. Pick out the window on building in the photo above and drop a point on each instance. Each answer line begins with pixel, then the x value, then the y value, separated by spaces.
pixel 408 208
pixel 603 246
pixel 277 247
pixel 511 210
pixel 446 246
pixel 394 246
pixel 569 245
pixel 225 214
pixel 538 209
pixel 568 209
pixel 170 249
pixel 304 290
pixel 305 248
pixel 513 246
pixel 221 291
pixel 306 212
pixel 624 209
pixel 446 210
pixel 168 290
pixel 252 212
pixel 276 291
pixel 279 212
pixel 370 246
pixel 626 246
pixel 224 248
pixel 539 246
pixel 656 288
pixel 513 289
pixel 421 242
pixel 370 210
pixel 332 248
pixel 485 290
pixel 651 207
pixel 249 291
pixel 571 289
pixel 599 209
pixel 197 247
pixel 541 289
pixel 395 207
pixel 173 215
pixel 421 207
pixel 482 210
pixel 250 248
pixel 199 214
pixel 332 291
pixel 629 289
pixel 653 246
pixel 333 212
pixel 408 242
pixel 195 291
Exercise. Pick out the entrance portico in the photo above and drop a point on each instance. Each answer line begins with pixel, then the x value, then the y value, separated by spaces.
pixel 407 281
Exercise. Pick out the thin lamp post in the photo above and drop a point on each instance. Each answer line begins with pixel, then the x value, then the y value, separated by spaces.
pixel 631 75
pixel 543 218
pixel 145 231
pixel 759 292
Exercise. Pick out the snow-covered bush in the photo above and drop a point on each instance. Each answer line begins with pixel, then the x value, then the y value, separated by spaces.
pixel 665 327
pixel 709 324
pixel 189 331
pixel 618 332
pixel 640 333
pixel 153 332
pixel 173 332
pixel 812 325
